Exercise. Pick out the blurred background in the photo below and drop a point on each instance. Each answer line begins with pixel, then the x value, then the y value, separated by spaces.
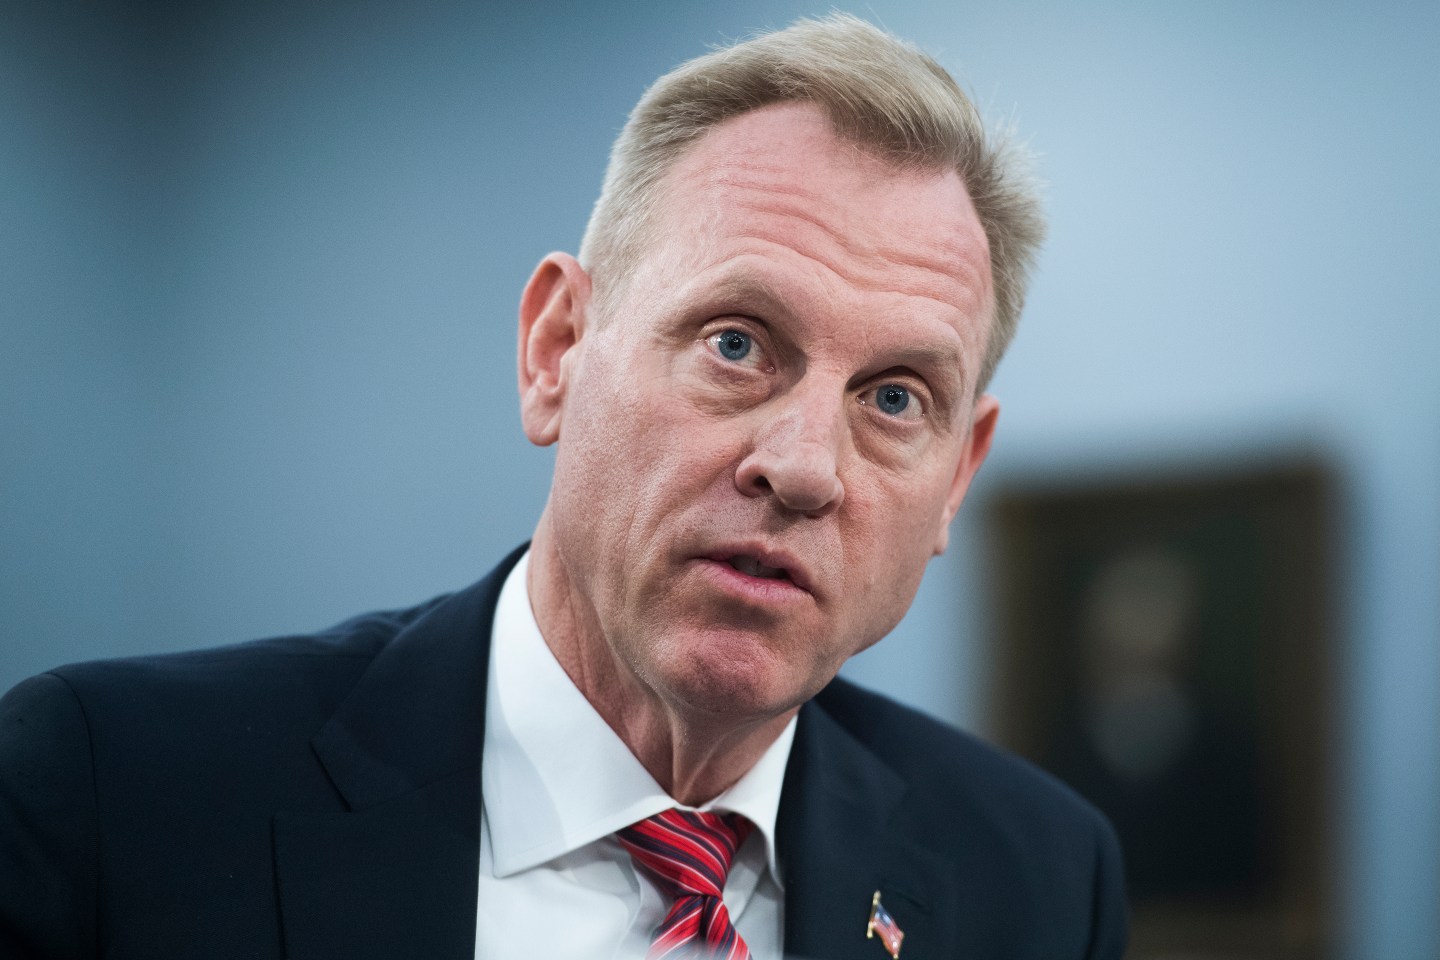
pixel 261 263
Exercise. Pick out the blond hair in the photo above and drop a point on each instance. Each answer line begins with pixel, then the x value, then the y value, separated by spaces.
pixel 879 93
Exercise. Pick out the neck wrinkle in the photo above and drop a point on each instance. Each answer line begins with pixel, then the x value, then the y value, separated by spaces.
pixel 694 762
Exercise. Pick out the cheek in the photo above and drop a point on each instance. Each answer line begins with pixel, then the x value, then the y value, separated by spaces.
pixel 889 537
pixel 896 506
pixel 641 449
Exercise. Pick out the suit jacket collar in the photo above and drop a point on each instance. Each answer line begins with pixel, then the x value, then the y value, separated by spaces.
pixel 418 713
pixel 395 874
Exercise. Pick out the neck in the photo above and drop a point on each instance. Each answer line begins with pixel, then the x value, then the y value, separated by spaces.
pixel 693 755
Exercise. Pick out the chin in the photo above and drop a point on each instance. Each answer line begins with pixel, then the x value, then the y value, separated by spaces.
pixel 736 678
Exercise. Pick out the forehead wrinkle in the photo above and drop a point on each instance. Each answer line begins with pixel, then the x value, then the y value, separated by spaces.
pixel 950 295
pixel 746 176
pixel 760 174
pixel 950 270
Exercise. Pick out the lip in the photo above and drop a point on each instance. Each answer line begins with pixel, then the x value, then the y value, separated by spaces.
pixel 778 558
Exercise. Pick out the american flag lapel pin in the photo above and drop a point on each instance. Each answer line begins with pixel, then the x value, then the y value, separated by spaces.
pixel 884 926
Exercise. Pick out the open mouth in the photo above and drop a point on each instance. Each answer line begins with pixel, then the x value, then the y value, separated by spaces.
pixel 754 568
pixel 784 572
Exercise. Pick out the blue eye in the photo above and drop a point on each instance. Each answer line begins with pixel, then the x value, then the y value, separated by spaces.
pixel 733 345
pixel 892 399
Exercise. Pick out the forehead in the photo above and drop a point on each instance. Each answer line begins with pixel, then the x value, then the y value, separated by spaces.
pixel 779 183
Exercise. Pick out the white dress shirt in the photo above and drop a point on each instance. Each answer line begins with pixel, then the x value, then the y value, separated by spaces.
pixel 557 782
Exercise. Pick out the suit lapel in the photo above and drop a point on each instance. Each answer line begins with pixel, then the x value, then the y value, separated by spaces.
pixel 395 873
pixel 841 838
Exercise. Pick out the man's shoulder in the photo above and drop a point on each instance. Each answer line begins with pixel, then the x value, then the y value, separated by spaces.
pixel 342 650
pixel 277 691
pixel 942 765
pixel 259 683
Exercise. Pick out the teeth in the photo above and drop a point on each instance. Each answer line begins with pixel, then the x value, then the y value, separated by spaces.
pixel 755 568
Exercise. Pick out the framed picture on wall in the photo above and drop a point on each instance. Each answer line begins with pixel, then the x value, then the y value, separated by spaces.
pixel 1164 646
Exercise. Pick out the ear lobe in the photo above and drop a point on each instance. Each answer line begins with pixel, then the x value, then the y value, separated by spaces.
pixel 552 322
pixel 977 445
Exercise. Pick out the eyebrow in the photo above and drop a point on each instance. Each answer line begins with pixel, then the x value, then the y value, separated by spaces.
pixel 754 293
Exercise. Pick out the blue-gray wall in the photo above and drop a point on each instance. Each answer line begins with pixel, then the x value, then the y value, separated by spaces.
pixel 259 265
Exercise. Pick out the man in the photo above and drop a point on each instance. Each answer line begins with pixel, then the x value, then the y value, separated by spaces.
pixel 765 380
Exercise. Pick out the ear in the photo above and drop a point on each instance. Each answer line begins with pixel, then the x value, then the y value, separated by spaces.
pixel 552 322
pixel 977 445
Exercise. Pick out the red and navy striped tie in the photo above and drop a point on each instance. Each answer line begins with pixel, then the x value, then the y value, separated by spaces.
pixel 689 853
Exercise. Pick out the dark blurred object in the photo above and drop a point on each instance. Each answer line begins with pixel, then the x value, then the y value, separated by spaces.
pixel 1164 647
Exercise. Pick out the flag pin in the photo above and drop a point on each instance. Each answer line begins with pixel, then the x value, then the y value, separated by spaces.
pixel 884 925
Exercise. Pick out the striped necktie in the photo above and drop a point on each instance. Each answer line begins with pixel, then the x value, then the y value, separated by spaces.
pixel 689 854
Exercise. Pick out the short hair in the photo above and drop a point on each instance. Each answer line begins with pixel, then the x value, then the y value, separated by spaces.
pixel 879 92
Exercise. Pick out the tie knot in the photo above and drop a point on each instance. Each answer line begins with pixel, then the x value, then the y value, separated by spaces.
pixel 686 848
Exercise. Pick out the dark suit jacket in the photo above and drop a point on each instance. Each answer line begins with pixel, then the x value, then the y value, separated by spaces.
pixel 318 796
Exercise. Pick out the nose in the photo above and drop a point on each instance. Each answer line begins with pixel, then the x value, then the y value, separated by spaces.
pixel 795 458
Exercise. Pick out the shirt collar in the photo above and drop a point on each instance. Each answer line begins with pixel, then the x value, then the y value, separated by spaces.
pixel 556 777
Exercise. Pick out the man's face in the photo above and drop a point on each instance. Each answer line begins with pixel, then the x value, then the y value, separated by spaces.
pixel 763 441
